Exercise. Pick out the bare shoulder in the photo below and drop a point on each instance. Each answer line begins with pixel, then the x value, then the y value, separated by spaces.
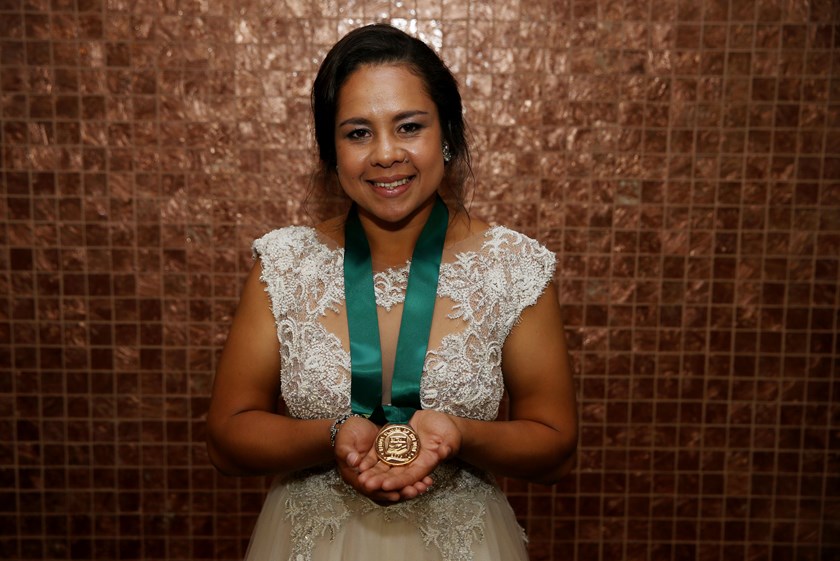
pixel 333 229
pixel 464 226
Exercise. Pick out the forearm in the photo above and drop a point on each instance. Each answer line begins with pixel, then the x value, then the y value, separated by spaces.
pixel 262 443
pixel 523 449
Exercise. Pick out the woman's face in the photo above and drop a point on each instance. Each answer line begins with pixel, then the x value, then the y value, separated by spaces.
pixel 388 145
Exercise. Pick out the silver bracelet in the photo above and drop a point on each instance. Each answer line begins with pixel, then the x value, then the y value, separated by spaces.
pixel 340 420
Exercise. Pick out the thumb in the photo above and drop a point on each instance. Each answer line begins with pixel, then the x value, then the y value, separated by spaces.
pixel 352 459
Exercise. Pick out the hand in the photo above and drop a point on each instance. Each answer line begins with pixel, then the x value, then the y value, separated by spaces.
pixel 440 439
pixel 355 454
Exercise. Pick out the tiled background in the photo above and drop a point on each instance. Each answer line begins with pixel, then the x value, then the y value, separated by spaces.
pixel 681 156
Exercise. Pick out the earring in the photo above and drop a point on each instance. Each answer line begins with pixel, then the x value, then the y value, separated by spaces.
pixel 447 153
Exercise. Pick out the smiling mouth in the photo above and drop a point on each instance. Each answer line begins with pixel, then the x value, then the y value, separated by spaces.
pixel 393 184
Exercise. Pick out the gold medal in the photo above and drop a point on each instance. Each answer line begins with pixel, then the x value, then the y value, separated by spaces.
pixel 397 445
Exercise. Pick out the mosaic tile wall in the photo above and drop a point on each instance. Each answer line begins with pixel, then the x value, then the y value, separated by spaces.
pixel 681 156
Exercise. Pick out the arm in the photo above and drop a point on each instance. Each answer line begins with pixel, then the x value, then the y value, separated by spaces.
pixel 245 435
pixel 539 440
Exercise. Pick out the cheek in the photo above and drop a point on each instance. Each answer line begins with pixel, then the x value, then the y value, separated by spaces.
pixel 348 159
pixel 427 155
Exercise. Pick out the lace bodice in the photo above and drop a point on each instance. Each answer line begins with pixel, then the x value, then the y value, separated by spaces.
pixel 486 281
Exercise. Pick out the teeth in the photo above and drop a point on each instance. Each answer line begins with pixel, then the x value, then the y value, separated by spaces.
pixel 393 184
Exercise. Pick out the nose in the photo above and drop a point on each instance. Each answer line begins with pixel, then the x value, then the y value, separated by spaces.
pixel 386 151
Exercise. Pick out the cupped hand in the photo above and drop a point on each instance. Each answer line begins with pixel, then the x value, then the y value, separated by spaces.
pixel 355 454
pixel 440 439
pixel 354 441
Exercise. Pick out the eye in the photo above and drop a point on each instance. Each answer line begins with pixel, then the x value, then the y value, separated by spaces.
pixel 357 134
pixel 410 128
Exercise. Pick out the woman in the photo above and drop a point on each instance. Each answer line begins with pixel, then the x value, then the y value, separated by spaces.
pixel 391 333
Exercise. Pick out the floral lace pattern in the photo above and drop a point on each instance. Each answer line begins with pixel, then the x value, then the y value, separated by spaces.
pixel 489 280
pixel 449 519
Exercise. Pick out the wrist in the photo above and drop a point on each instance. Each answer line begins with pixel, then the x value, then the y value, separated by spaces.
pixel 336 425
pixel 462 427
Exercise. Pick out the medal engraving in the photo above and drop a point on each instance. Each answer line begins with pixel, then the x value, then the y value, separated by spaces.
pixel 397 445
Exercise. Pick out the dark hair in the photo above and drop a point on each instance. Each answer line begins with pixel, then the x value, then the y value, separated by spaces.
pixel 383 44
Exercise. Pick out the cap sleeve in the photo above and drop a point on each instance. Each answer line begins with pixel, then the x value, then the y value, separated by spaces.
pixel 279 253
pixel 529 267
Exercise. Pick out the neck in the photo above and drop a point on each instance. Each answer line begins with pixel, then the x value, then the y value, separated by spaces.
pixel 393 243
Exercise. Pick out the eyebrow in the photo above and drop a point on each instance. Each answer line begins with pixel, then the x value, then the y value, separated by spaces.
pixel 398 117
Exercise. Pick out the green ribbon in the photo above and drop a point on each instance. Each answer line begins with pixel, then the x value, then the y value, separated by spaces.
pixel 415 324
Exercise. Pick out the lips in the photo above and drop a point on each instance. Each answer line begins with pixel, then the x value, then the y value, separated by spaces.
pixel 390 183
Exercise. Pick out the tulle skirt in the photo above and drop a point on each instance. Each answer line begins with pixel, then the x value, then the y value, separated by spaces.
pixel 371 535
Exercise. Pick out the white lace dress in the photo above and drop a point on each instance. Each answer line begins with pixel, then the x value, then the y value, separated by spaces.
pixel 485 283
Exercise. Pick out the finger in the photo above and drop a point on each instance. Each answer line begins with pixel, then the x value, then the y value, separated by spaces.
pixel 410 492
pixel 368 461
pixel 373 477
pixel 375 468
pixel 383 497
pixel 419 488
pixel 351 477
pixel 379 495
pixel 397 478
pixel 352 459
pixel 347 451
pixel 403 476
